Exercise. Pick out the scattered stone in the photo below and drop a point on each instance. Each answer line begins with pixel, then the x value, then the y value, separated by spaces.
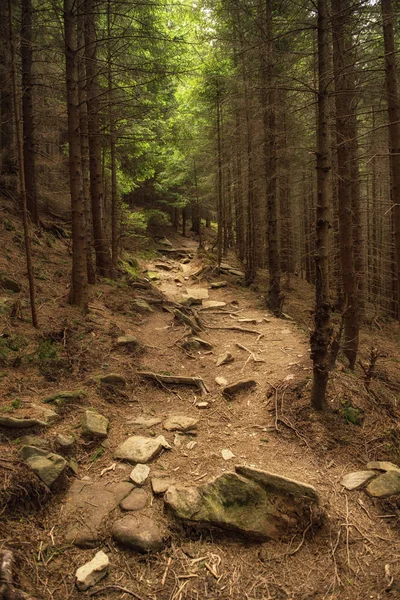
pixel 178 440
pixel 139 474
pixel 210 304
pixel 86 508
pixel 94 425
pixel 353 481
pixel 164 242
pixel 202 405
pixel 112 379
pixel 34 440
pixel 225 267
pixel 142 305
pixel 129 341
pixel 243 384
pixel 65 442
pixel 185 261
pixel 47 415
pixel 261 506
pixel 203 343
pixel 73 465
pixel 227 454
pixel 236 273
pixel 180 279
pixel 190 301
pixel 249 321
pixel 218 284
pixel 10 284
pixel 385 485
pixel 145 422
pixel 161 483
pixel 180 423
pixel 221 381
pixel 163 267
pixel 191 345
pixel 61 398
pixel 92 572
pixel 382 465
pixel 199 293
pixel 224 359
pixel 15 423
pixel 190 445
pixel 153 275
pixel 140 449
pixel 136 500
pixel 138 532
pixel 46 465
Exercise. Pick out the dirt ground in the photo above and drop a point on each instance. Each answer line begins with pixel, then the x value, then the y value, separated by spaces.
pixel 353 555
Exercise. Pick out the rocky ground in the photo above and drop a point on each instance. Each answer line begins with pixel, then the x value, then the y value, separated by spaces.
pixel 162 447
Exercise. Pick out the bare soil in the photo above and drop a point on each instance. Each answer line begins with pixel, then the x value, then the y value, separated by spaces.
pixel 353 555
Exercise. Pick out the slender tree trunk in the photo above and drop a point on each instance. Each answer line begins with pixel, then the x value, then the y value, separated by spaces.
pixel 393 101
pixel 21 172
pixel 83 123
pixel 274 297
pixel 8 167
pixel 346 185
pixel 27 111
pixel 239 208
pixel 79 289
pixel 103 258
pixel 113 158
pixel 219 181
pixel 320 338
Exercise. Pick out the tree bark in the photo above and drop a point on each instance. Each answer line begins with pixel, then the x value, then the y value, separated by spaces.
pixel 21 172
pixel 27 111
pixel 320 338
pixel 393 101
pixel 8 164
pixel 79 288
pixel 101 246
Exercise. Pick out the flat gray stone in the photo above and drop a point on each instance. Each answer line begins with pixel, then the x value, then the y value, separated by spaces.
pixel 160 485
pixel 353 481
pixel 237 386
pixel 261 506
pixel 210 304
pixel 140 449
pixel 61 398
pixel 190 301
pixel 145 422
pixel 15 423
pixel 385 485
pixel 221 381
pixel 218 284
pixel 224 359
pixel 128 340
pixel 47 415
pixel 139 474
pixel 46 465
pixel 87 507
pixel 227 454
pixel 382 465
pixel 136 500
pixel 92 572
pixel 180 423
pixel 65 442
pixel 203 343
pixel 138 532
pixel 94 425
pixel 199 293
pixel 34 440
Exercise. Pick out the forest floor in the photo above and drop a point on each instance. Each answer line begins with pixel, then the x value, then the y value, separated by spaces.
pixel 353 554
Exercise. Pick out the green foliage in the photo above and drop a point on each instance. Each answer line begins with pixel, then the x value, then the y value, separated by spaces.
pixel 351 413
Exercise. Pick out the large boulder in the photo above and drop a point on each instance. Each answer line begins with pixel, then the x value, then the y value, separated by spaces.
pixel 254 503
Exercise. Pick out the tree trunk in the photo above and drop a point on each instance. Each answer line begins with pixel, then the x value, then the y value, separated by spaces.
pixel 83 123
pixel 103 258
pixel 320 338
pixel 21 172
pixel 8 167
pixel 219 181
pixel 113 158
pixel 274 297
pixel 79 289
pixel 27 111
pixel 393 101
pixel 344 98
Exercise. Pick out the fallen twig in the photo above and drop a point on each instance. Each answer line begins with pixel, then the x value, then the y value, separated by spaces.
pixel 7 589
pixel 236 328
pixel 116 587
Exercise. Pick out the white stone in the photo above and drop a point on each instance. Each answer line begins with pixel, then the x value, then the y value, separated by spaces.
pixel 221 381
pixel 352 481
pixel 210 304
pixel 89 574
pixel 139 474
pixel 227 454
